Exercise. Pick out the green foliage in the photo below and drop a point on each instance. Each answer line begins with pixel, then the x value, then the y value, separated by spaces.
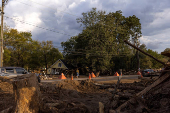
pixel 18 44
pixel 147 62
pixel 20 50
pixel 101 40
pixel 100 46
pixel 167 50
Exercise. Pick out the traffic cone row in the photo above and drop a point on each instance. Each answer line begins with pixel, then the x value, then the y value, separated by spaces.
pixel 92 75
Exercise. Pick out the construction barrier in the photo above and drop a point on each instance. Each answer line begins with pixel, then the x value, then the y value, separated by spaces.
pixel 62 76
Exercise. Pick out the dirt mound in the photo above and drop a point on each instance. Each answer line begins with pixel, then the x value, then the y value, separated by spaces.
pixel 88 86
pixel 6 85
pixel 73 96
pixel 7 98
pixel 84 85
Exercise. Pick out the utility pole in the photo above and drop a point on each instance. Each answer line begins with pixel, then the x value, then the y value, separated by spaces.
pixel 1 41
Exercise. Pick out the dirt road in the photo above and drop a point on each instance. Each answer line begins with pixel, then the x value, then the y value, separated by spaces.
pixel 98 79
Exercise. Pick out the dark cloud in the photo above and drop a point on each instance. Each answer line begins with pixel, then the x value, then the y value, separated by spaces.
pixel 60 16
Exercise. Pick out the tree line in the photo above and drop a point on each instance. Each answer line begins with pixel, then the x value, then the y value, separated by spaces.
pixel 100 46
pixel 22 51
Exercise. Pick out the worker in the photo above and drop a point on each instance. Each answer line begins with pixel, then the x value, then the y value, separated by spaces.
pixel 77 72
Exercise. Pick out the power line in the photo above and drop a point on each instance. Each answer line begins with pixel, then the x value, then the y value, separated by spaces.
pixel 34 23
pixel 61 11
pixel 115 26
pixel 47 29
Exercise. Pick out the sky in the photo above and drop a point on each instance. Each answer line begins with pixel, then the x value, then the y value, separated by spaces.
pixel 55 20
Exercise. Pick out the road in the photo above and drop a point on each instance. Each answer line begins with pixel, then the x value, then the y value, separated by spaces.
pixel 108 78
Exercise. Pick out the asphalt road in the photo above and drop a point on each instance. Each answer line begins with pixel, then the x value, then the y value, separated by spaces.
pixel 108 78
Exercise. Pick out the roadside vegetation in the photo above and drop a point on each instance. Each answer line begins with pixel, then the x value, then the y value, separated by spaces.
pixel 99 47
pixel 22 51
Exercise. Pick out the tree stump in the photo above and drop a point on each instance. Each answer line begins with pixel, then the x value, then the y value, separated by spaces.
pixel 27 94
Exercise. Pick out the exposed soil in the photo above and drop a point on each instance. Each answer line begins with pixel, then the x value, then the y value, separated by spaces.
pixel 69 96
pixel 74 96
pixel 84 96
pixel 7 98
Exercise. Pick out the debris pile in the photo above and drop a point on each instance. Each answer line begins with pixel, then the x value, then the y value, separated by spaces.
pixel 154 98
pixel 124 92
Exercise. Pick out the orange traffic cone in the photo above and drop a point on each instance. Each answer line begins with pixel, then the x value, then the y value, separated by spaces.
pixel 116 74
pixel 139 73
pixel 93 75
pixel 62 76
pixel 89 76
pixel 71 77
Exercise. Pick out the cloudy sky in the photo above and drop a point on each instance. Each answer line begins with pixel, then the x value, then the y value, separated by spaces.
pixel 56 19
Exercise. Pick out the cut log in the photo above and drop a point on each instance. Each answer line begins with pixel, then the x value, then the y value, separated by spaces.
pixel 27 94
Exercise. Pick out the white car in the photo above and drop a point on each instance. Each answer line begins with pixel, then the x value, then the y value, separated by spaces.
pixel 12 71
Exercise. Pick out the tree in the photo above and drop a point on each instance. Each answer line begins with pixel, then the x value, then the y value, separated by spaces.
pixel 102 38
pixel 54 55
pixel 18 43
pixel 35 61
pixel 20 50
pixel 45 48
